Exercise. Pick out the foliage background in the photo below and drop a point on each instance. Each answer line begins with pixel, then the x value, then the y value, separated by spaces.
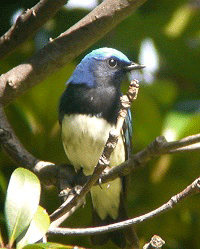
pixel 167 104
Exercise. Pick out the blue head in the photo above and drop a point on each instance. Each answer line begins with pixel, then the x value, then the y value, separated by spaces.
pixel 103 66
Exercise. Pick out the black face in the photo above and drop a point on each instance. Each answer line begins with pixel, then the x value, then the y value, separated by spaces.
pixel 109 72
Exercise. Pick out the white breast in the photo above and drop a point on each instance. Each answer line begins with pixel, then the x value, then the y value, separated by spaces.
pixel 83 146
pixel 82 142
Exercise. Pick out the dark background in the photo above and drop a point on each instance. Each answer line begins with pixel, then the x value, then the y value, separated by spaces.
pixel 168 103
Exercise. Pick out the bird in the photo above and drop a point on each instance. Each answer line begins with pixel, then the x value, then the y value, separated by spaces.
pixel 88 111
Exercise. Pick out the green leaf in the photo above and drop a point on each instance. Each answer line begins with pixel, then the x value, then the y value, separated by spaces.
pixel 175 124
pixel 37 229
pixel 22 200
pixel 3 183
pixel 180 20
pixel 1 240
pixel 145 109
pixel 50 245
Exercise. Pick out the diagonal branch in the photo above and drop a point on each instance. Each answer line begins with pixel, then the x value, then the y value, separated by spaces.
pixel 191 147
pixel 62 175
pixel 193 188
pixel 185 143
pixel 48 172
pixel 11 144
pixel 28 24
pixel 66 47
pixel 158 147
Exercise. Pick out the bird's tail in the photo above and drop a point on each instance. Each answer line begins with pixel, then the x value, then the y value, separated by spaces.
pixel 123 238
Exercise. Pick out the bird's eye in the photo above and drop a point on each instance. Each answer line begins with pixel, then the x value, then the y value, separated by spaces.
pixel 112 62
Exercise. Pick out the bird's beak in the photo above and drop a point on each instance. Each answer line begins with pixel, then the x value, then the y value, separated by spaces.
pixel 133 66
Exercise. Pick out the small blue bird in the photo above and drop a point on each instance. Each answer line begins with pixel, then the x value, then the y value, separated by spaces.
pixel 88 111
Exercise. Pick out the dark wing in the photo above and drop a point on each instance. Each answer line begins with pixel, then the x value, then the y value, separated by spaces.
pixel 126 237
pixel 127 132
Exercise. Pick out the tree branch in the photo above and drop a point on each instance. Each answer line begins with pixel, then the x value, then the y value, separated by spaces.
pixel 193 188
pixel 12 145
pixel 64 48
pixel 188 148
pixel 62 175
pixel 49 173
pixel 158 147
pixel 28 24
pixel 172 146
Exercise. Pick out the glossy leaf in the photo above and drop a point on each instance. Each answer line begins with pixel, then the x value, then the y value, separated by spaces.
pixel 175 124
pixel 21 202
pixel 51 246
pixel 37 229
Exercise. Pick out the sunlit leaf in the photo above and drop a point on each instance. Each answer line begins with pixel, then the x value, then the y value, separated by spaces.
pixel 51 246
pixel 175 124
pixel 37 229
pixel 179 21
pixel 21 201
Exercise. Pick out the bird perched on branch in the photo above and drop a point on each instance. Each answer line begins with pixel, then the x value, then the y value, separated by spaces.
pixel 88 111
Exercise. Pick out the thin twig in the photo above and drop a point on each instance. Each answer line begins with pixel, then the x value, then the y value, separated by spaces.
pixel 193 188
pixel 156 243
pixel 57 175
pixel 172 146
pixel 158 147
pixel 70 196
pixel 188 148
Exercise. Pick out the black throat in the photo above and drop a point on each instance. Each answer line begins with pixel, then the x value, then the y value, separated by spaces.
pixel 99 101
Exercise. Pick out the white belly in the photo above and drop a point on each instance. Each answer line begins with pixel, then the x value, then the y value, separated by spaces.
pixel 83 146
